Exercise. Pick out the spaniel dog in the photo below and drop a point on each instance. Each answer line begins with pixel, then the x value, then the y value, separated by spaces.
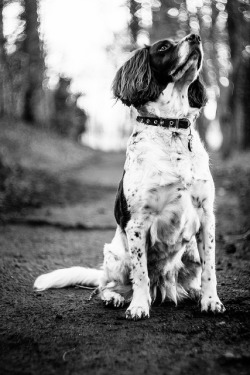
pixel 164 244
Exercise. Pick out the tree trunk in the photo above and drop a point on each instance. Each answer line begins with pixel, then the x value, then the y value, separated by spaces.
pixel 239 37
pixel 246 104
pixel 34 95
pixel 133 24
pixel 6 100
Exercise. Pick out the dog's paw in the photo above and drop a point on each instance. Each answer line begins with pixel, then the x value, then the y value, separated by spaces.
pixel 213 304
pixel 110 298
pixel 137 312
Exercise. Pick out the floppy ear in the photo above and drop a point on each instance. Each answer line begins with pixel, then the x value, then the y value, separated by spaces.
pixel 134 83
pixel 197 95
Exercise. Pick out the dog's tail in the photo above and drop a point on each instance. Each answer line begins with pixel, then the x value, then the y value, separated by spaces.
pixel 68 276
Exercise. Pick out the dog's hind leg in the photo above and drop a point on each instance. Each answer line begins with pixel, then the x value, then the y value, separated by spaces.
pixel 115 287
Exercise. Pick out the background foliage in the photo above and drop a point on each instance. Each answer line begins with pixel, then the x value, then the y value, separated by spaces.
pixel 224 26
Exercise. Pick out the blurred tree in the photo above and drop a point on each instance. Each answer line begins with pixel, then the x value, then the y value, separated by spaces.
pixel 24 92
pixel 6 98
pixel 134 27
pixel 239 42
pixel 68 119
pixel 32 47
pixel 170 20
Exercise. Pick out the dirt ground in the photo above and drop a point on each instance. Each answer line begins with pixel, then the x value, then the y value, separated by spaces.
pixel 64 220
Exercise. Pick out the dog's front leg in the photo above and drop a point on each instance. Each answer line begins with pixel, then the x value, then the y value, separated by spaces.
pixel 136 234
pixel 206 245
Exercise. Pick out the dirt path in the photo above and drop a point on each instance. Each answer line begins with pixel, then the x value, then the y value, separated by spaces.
pixel 62 332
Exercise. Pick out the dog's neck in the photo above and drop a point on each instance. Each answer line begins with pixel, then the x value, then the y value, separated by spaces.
pixel 172 103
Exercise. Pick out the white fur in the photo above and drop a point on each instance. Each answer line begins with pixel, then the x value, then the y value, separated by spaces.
pixel 170 193
pixel 183 52
pixel 69 276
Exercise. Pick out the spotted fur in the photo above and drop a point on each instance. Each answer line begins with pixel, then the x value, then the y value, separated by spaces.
pixel 165 238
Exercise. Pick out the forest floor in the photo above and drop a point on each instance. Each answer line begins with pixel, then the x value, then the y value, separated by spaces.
pixel 57 211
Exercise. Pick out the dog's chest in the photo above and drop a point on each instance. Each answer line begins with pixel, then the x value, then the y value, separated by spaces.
pixel 159 157
pixel 166 182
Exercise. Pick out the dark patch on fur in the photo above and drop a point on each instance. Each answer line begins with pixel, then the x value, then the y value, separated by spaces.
pixel 197 95
pixel 122 213
pixel 175 135
pixel 137 234
pixel 198 237
pixel 134 83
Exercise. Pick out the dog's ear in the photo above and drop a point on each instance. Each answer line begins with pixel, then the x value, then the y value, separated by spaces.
pixel 197 95
pixel 133 83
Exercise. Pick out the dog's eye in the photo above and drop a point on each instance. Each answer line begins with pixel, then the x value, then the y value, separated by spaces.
pixel 164 48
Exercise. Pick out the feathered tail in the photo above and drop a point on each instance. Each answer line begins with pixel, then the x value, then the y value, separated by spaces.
pixel 68 276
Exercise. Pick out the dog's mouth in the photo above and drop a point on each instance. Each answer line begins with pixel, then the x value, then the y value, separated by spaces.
pixel 194 56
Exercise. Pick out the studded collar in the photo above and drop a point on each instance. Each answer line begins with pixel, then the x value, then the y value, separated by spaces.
pixel 182 123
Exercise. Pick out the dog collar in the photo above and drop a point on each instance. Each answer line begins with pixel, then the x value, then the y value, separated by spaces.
pixel 182 123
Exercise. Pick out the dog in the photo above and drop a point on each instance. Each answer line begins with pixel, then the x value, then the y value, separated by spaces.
pixel 164 244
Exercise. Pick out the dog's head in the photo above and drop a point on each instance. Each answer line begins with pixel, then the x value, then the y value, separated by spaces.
pixel 145 75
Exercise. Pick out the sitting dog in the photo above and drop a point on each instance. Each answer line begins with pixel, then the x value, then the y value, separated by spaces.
pixel 164 243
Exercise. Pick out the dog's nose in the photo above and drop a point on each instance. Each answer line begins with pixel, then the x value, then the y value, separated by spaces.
pixel 194 38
